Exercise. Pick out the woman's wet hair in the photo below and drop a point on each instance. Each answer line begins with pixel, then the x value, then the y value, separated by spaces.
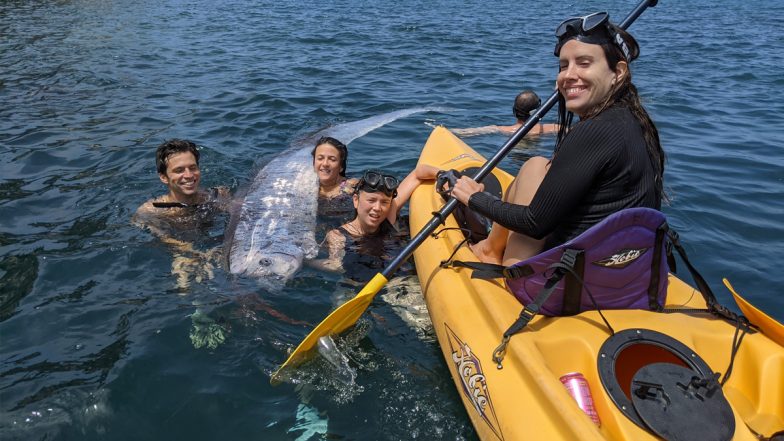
pixel 171 147
pixel 622 93
pixel 524 103
pixel 342 151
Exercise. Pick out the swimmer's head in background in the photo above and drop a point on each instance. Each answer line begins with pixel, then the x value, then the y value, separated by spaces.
pixel 525 103
pixel 374 181
pixel 171 147
pixel 341 148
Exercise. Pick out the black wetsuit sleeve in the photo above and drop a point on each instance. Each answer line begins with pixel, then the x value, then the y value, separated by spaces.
pixel 581 158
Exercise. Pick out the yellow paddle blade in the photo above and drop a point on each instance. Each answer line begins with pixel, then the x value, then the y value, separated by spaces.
pixel 767 324
pixel 341 319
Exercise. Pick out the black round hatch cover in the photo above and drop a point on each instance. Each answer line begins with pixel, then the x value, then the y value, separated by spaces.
pixel 679 404
pixel 625 353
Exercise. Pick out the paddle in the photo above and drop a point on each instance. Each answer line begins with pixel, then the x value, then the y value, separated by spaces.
pixel 348 313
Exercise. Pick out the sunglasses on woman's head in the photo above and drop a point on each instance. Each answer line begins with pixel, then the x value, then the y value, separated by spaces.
pixel 589 29
pixel 376 181
pixel 581 25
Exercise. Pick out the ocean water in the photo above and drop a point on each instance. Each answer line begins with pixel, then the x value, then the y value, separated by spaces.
pixel 98 340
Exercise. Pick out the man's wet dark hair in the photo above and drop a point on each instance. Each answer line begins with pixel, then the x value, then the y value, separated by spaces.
pixel 172 147
pixel 524 103
pixel 342 151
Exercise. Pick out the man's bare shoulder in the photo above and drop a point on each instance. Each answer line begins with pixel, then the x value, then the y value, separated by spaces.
pixel 144 212
pixel 148 215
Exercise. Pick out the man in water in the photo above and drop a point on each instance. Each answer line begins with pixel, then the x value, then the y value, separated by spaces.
pixel 177 161
pixel 525 102
pixel 182 215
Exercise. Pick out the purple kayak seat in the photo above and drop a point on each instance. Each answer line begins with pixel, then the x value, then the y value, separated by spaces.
pixel 621 262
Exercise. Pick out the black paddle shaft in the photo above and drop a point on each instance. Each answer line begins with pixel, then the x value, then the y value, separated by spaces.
pixel 517 136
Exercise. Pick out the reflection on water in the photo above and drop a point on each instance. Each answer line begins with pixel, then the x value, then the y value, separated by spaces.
pixel 18 277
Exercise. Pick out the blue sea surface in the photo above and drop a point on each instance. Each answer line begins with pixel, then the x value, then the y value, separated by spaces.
pixel 95 333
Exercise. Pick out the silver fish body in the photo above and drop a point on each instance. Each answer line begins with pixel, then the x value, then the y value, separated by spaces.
pixel 275 226
pixel 273 230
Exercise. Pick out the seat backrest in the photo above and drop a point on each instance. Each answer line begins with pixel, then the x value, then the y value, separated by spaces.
pixel 622 262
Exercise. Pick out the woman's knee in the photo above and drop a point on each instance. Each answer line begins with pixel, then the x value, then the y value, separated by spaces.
pixel 537 165
pixel 528 180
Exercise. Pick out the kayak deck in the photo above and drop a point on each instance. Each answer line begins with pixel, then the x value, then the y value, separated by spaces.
pixel 526 399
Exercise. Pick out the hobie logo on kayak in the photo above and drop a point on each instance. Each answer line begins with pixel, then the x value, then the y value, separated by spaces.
pixel 472 380
pixel 463 156
pixel 622 258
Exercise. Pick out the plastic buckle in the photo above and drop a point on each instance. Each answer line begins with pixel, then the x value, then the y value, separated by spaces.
pixel 511 272
pixel 529 312
pixel 569 257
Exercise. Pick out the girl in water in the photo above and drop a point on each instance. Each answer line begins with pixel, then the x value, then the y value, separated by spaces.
pixel 330 157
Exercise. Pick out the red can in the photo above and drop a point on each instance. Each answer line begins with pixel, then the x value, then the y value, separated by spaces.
pixel 578 388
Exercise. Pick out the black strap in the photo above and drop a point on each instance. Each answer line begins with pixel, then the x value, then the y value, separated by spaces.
pixel 491 270
pixel 702 286
pixel 530 310
pixel 714 306
pixel 446 263
pixel 653 286
pixel 741 328
pixel 671 258
pixel 742 324
pixel 569 260
pixel 573 285
pixel 572 272
pixel 174 205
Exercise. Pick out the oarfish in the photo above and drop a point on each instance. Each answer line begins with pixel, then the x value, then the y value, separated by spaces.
pixel 273 230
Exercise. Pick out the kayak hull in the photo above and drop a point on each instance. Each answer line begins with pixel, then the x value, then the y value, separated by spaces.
pixel 525 399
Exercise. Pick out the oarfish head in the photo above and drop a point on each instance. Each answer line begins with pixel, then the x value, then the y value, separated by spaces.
pixel 273 266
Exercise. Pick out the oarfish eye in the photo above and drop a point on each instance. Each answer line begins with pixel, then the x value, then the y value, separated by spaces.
pixel 265 262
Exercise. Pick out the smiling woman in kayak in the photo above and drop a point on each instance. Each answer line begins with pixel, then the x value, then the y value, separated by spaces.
pixel 610 160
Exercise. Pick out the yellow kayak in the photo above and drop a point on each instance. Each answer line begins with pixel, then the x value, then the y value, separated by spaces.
pixel 527 399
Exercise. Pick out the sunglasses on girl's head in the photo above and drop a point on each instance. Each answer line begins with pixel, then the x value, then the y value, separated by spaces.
pixel 379 182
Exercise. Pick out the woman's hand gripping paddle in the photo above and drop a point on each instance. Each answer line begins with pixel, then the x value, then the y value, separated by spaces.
pixel 348 313
pixel 767 324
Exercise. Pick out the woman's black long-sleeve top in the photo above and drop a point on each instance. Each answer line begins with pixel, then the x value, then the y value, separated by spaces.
pixel 600 167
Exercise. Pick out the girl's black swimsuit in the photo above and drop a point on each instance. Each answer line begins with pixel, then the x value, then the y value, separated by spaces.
pixel 368 255
pixel 602 166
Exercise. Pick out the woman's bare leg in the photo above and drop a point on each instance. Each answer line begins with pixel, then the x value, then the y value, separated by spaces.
pixel 491 250
pixel 505 247
pixel 519 246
